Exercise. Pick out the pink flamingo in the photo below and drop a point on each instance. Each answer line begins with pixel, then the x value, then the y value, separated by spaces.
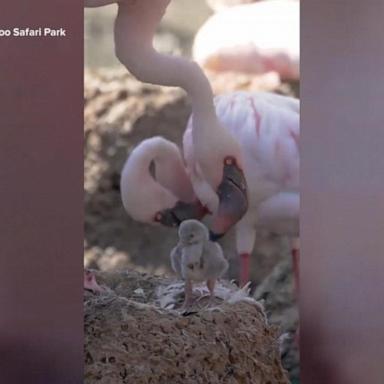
pixel 135 26
pixel 266 127
pixel 219 159
pixel 255 38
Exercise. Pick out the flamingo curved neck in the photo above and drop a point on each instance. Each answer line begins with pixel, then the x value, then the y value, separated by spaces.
pixel 142 195
pixel 134 31
pixel 169 168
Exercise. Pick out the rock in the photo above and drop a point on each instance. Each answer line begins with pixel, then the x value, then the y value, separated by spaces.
pixel 130 338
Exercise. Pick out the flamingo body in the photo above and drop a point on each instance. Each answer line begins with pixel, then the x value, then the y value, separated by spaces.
pixel 255 38
pixel 266 126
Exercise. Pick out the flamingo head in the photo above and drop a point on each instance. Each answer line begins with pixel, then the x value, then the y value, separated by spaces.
pixel 154 185
pixel 220 162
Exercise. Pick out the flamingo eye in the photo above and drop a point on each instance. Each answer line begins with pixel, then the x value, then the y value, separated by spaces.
pixel 158 217
pixel 229 160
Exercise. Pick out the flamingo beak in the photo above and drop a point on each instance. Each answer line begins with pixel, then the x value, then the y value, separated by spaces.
pixel 173 217
pixel 233 199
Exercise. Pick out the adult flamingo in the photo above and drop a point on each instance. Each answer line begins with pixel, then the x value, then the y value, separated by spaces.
pixel 216 157
pixel 217 153
pixel 267 129
pixel 256 38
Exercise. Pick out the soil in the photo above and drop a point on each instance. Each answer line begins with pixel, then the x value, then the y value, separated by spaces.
pixel 131 338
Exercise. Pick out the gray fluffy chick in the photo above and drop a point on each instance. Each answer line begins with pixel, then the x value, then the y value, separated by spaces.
pixel 195 258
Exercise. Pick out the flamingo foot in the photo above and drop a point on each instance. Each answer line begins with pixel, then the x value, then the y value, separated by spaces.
pixel 211 296
pixel 209 300
pixel 244 268
pixel 90 282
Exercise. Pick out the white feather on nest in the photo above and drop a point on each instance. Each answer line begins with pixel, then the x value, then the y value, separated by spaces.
pixel 169 296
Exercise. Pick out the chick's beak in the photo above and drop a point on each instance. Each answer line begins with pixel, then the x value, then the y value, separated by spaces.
pixel 233 199
pixel 173 217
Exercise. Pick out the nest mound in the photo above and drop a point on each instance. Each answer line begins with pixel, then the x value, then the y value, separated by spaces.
pixel 131 336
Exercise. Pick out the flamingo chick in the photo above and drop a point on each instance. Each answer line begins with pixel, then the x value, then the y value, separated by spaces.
pixel 195 258
pixel 155 187
pixel 267 128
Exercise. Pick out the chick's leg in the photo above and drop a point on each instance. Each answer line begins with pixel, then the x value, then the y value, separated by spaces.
pixel 188 291
pixel 211 287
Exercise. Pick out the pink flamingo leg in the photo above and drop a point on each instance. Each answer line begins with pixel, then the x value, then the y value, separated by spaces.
pixel 244 268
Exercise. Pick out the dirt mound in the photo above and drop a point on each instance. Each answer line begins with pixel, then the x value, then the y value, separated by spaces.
pixel 130 337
